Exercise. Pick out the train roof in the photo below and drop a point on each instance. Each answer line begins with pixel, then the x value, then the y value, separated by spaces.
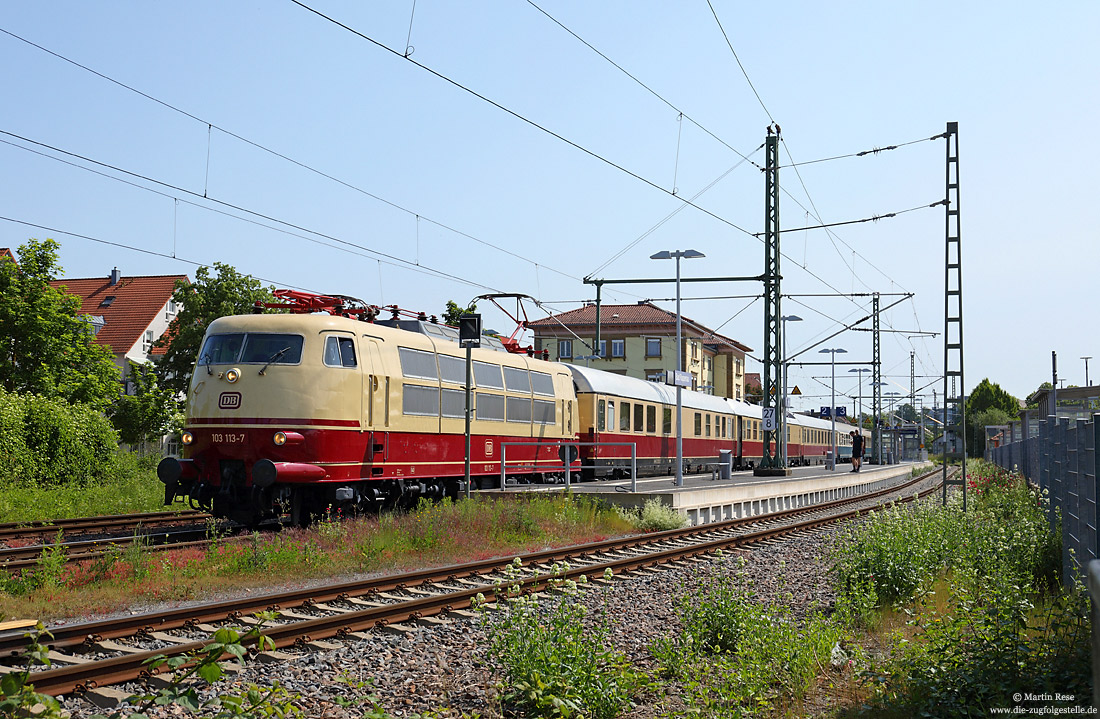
pixel 601 382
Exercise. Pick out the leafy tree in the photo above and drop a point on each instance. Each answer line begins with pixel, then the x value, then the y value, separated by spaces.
pixel 203 301
pixel 985 397
pixel 47 348
pixel 147 413
pixel 454 311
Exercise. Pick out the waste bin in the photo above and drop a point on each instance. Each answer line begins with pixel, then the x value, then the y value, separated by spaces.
pixel 725 463
pixel 829 464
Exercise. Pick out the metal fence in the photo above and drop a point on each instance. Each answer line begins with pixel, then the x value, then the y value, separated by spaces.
pixel 1062 460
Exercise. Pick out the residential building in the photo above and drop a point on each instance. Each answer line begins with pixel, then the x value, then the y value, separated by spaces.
pixel 640 341
pixel 127 314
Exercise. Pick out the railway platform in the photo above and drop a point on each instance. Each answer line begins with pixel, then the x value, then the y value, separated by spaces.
pixel 703 499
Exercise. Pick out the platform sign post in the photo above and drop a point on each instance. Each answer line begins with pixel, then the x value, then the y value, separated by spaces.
pixel 469 336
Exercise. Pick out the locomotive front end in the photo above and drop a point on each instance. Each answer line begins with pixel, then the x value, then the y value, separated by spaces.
pixel 265 424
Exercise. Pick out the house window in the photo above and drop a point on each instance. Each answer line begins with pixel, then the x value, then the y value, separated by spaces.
pixel 171 310
pixel 603 349
pixel 738 391
pixel 618 348
pixel 694 350
pixel 565 349
pixel 107 301
pixel 147 341
pixel 653 347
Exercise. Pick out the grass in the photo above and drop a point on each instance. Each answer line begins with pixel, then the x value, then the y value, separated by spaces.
pixel 432 535
pixel 134 488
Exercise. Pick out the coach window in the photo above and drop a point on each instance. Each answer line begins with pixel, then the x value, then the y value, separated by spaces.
pixel 639 420
pixel 708 425
pixel 601 415
pixel 666 420
pixel 565 349
pixel 487 375
pixel 698 424
pixel 651 419
pixel 339 351
pixel 489 407
pixel 542 383
pixel 610 415
pixel 624 416
pixel 452 403
pixel 517 380
pixel 618 348
pixel 415 363
pixel 652 346
pixel 452 369
pixel 723 430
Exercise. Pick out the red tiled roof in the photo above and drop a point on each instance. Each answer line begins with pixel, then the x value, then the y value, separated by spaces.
pixel 138 301
pixel 620 316
pixel 5 252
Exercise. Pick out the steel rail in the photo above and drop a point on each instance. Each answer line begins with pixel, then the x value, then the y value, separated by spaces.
pixel 14 559
pixel 344 622
pixel 84 633
pixel 10 530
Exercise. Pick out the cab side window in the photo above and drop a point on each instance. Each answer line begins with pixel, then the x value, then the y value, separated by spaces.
pixel 340 352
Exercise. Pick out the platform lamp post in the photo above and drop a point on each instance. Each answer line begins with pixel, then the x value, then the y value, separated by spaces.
pixel 832 408
pixel 676 255
pixel 859 413
pixel 1087 370
pixel 783 404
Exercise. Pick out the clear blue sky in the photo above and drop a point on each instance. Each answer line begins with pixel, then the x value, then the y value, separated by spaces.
pixel 464 198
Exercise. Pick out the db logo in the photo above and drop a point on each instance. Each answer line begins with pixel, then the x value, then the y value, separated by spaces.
pixel 488 448
pixel 229 400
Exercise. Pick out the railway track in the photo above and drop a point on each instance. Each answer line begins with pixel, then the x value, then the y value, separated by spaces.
pixel 100 525
pixel 20 559
pixel 88 657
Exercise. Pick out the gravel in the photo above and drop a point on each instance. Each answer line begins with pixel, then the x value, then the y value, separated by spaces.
pixel 445 667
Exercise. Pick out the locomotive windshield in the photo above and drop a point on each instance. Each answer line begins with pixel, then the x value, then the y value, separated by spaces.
pixel 252 348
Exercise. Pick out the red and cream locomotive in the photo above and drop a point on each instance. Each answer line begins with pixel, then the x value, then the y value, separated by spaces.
pixel 328 408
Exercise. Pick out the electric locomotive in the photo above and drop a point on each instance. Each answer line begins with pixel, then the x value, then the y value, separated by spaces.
pixel 301 414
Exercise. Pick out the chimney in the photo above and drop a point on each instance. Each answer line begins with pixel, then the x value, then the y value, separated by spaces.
pixel 115 276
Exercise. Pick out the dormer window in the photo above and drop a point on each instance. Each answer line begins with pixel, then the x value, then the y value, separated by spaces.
pixel 107 301
pixel 147 342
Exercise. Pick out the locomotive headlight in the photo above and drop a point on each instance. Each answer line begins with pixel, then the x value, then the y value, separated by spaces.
pixel 288 439
pixel 232 375
pixel 280 438
pixel 187 438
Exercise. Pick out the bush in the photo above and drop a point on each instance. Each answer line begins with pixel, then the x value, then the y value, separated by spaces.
pixel 50 442
pixel 654 516
pixel 556 659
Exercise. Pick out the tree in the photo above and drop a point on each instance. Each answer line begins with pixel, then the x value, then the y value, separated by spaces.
pixel 454 311
pixel 984 398
pixel 149 412
pixel 203 301
pixel 47 347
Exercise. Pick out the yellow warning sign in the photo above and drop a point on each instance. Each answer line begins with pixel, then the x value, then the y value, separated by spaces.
pixel 796 390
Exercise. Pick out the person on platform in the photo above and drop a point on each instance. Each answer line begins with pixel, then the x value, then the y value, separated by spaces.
pixel 857 450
